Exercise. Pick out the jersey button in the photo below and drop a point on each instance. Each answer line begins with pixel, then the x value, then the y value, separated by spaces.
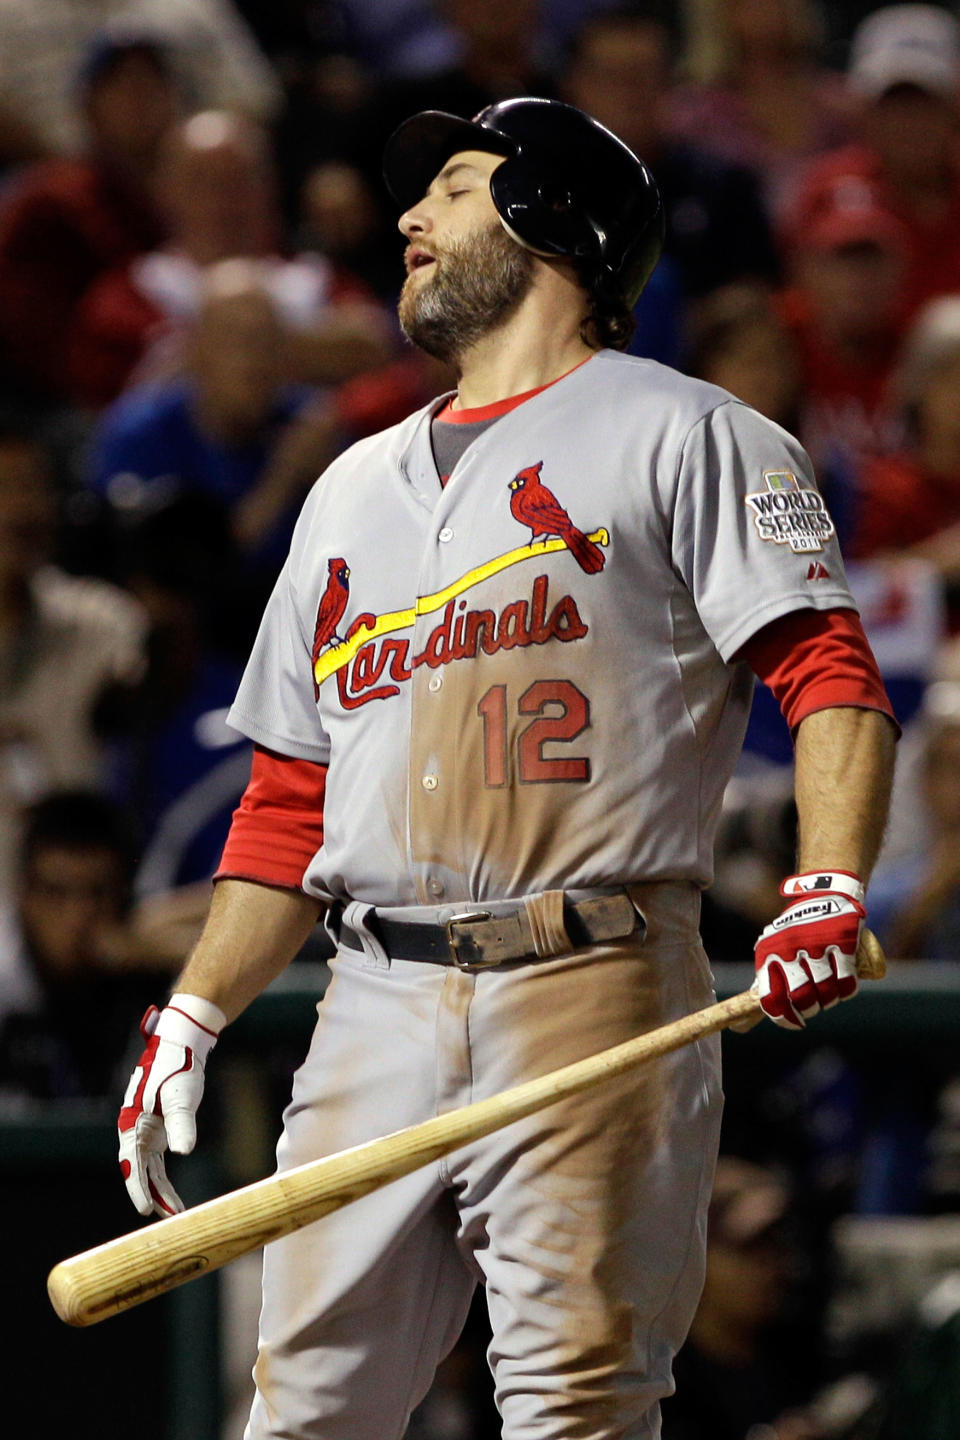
pixel 435 682
pixel 429 782
pixel 435 886
pixel 445 534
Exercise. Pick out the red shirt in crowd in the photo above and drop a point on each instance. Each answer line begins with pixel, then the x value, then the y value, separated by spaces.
pixel 63 223
pixel 933 251
pixel 122 315
pixel 845 407
pixel 901 503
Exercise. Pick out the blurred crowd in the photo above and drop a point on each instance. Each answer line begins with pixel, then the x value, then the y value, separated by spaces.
pixel 198 275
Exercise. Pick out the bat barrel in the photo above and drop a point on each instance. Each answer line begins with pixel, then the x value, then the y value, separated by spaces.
pixel 80 1301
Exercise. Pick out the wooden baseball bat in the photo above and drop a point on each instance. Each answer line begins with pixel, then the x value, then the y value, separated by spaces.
pixel 124 1272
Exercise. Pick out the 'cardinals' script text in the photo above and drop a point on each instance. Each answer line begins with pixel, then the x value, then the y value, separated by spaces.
pixel 461 634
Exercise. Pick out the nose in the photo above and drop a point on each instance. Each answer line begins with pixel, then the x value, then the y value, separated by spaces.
pixel 415 221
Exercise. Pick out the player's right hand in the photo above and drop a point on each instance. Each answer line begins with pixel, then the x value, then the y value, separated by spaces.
pixel 160 1104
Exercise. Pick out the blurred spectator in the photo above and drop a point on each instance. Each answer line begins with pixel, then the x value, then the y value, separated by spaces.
pixel 175 760
pixel 903 612
pixel 231 429
pixel 742 1372
pixel 915 896
pixel 904 71
pixel 739 341
pixel 909 502
pixel 757 92
pixel 491 52
pixel 717 231
pixel 922 1394
pixel 843 307
pixel 65 643
pixel 331 115
pixel 66 996
pixel 218 194
pixel 497 56
pixel 390 37
pixel 217 59
pixel 65 222
pixel 386 396
pixel 756 845
pixel 414 39
pixel 942 1157
pixel 339 215
pixel 71 986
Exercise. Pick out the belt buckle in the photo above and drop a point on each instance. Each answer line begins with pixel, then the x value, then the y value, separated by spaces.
pixel 466 917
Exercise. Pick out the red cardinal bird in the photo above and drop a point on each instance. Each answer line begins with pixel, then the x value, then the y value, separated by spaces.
pixel 333 602
pixel 533 504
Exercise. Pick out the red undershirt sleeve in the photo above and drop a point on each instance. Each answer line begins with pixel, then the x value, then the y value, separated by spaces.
pixel 278 826
pixel 816 659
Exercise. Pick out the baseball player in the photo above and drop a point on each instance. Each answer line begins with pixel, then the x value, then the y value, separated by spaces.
pixel 496 696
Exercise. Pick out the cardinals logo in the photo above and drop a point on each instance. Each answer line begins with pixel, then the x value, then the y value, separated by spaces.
pixel 333 602
pixel 538 508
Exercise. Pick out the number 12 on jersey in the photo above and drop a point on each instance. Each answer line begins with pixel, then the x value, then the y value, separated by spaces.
pixel 562 713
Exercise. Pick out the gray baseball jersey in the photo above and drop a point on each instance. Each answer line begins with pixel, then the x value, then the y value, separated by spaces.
pixel 523 680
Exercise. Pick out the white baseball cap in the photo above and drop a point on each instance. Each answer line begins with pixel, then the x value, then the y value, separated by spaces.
pixel 906 45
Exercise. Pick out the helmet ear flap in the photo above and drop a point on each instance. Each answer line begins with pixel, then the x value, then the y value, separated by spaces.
pixel 540 210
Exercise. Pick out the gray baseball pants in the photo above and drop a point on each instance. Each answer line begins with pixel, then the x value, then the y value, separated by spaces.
pixel 586 1222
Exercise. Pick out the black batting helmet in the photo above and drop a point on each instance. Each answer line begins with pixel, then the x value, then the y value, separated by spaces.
pixel 568 186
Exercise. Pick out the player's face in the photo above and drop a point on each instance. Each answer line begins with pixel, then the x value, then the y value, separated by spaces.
pixel 457 202
pixel 465 275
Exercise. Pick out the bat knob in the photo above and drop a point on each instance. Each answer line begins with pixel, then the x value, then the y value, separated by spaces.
pixel 871 961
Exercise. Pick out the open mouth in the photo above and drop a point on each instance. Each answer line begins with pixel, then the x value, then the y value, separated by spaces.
pixel 418 259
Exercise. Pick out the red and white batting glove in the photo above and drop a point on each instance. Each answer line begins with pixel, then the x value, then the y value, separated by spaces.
pixel 160 1104
pixel 806 959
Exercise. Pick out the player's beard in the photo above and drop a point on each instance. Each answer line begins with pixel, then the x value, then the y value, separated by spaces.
pixel 476 285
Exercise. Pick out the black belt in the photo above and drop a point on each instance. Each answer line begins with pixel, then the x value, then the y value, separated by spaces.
pixel 475 939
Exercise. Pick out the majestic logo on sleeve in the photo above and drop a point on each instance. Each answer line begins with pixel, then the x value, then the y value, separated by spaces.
pixel 533 504
pixel 787 514
pixel 374 657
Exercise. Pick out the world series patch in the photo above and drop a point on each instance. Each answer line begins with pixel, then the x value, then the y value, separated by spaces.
pixel 787 514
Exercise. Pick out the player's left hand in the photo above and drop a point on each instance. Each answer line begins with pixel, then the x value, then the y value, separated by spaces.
pixel 806 959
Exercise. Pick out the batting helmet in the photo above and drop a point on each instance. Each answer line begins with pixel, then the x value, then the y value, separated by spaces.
pixel 568 186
